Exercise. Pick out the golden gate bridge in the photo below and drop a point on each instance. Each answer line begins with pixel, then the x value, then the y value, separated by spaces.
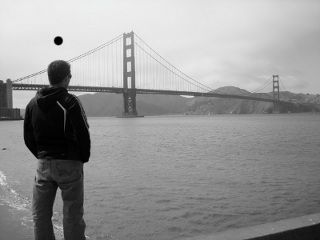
pixel 127 65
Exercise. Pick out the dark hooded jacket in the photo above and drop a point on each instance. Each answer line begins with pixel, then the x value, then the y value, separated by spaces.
pixel 56 127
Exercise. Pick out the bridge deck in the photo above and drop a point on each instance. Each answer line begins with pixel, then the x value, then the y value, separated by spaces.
pixel 32 87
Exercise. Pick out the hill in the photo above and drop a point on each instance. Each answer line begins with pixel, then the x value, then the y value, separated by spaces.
pixel 108 104
pixel 299 103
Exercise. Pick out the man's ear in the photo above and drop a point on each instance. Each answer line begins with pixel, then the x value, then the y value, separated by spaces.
pixel 68 81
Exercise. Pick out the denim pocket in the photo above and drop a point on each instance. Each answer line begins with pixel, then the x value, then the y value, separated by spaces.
pixel 68 170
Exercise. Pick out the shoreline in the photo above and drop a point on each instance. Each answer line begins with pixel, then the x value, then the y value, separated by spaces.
pixel 11 227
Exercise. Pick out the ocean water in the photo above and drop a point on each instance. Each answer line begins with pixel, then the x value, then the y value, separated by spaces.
pixel 175 177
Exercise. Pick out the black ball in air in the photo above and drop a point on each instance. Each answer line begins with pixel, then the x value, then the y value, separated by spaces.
pixel 58 40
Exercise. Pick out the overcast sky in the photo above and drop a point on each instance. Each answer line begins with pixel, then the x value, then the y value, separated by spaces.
pixel 220 43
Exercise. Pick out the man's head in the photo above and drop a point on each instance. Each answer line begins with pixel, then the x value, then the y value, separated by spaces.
pixel 59 73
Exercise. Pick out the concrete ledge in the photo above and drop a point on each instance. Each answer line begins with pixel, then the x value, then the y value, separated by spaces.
pixel 301 228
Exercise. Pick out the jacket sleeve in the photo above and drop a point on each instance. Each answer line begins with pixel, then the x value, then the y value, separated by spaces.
pixel 28 135
pixel 81 128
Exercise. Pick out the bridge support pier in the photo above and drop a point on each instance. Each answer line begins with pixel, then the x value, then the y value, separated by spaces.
pixel 6 107
pixel 276 94
pixel 6 94
pixel 129 76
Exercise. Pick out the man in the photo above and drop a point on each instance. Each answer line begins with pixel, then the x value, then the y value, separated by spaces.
pixel 57 133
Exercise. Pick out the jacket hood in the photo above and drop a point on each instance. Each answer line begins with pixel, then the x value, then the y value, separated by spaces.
pixel 48 97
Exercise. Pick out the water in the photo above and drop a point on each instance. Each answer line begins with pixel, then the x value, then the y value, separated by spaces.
pixel 175 177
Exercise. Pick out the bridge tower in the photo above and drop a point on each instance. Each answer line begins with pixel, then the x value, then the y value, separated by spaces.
pixel 129 76
pixel 276 94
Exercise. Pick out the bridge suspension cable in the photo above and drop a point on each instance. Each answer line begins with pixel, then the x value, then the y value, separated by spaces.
pixel 96 49
pixel 175 79
pixel 266 84
pixel 282 85
pixel 89 68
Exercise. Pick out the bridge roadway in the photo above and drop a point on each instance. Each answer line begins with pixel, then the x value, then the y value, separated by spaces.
pixel 32 87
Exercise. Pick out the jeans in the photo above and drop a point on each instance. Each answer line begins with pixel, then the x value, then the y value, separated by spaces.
pixel 68 176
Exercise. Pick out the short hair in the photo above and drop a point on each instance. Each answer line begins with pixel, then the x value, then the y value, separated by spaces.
pixel 57 71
